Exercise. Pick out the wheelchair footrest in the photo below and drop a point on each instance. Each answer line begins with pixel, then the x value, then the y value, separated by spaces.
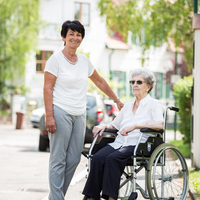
pixel 133 196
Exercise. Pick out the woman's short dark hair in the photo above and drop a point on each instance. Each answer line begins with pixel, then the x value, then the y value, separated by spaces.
pixel 146 74
pixel 74 25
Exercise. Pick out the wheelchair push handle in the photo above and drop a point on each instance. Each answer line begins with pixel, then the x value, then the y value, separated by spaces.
pixel 174 108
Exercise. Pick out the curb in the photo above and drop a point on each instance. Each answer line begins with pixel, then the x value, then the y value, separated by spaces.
pixel 193 194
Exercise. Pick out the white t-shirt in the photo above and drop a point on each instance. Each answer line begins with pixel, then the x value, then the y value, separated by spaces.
pixel 149 110
pixel 69 92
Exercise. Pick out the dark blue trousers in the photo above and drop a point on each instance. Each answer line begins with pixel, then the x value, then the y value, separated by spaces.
pixel 107 167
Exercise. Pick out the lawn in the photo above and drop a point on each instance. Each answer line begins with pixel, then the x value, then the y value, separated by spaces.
pixel 185 149
pixel 195 180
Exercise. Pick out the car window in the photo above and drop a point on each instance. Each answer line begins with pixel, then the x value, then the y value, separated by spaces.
pixel 90 101
pixel 109 107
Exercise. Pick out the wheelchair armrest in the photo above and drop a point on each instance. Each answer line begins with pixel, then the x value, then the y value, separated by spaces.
pixel 111 131
pixel 149 130
pixel 108 134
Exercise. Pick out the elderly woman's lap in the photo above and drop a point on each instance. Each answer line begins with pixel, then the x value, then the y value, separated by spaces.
pixel 106 169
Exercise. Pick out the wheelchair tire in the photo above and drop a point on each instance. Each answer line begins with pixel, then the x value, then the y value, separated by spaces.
pixel 125 184
pixel 167 174
pixel 86 198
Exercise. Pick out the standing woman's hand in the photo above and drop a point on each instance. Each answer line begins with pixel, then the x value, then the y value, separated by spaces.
pixel 119 105
pixel 50 125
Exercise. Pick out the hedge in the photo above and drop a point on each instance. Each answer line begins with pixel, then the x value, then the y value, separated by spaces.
pixel 182 93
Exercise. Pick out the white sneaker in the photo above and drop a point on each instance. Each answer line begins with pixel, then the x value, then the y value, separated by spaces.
pixel 46 198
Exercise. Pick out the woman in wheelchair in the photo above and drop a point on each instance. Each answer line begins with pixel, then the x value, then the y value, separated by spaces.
pixel 108 163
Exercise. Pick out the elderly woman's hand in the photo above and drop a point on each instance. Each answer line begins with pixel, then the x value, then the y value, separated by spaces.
pixel 124 131
pixel 98 129
pixel 50 125
pixel 119 105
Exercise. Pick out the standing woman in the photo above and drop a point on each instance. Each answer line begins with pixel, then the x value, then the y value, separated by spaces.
pixel 65 85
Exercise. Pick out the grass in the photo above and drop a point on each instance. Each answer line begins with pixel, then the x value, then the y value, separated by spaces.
pixel 194 177
pixel 185 149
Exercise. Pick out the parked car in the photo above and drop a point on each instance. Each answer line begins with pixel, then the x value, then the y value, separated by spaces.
pixel 96 113
pixel 36 116
pixel 112 109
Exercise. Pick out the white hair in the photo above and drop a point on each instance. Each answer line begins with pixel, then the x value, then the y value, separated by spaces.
pixel 146 74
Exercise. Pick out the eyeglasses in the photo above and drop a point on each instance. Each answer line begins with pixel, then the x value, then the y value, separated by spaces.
pixel 139 82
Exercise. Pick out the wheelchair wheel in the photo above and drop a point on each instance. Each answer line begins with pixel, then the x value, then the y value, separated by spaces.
pixel 125 183
pixel 167 176
pixel 86 198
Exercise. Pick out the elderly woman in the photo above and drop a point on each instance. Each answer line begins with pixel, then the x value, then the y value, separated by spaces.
pixel 108 163
pixel 65 85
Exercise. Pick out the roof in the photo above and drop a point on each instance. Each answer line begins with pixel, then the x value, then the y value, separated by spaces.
pixel 116 43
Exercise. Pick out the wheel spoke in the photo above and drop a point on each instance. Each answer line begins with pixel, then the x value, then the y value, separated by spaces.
pixel 125 186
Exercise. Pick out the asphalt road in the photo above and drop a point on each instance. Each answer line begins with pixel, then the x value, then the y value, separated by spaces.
pixel 24 170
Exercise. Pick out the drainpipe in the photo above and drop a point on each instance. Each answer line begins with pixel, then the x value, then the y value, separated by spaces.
pixel 196 6
pixel 110 55
pixel 175 115
pixel 195 147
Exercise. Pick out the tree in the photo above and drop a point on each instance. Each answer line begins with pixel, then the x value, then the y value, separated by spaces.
pixel 19 26
pixel 112 83
pixel 152 22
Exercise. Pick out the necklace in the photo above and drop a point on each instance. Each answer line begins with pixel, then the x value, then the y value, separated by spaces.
pixel 136 106
pixel 66 55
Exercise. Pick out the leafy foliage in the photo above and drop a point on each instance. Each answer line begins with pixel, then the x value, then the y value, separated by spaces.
pixel 195 181
pixel 19 25
pixel 152 22
pixel 92 87
pixel 113 85
pixel 182 92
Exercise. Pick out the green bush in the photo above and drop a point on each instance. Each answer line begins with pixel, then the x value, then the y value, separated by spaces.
pixel 182 93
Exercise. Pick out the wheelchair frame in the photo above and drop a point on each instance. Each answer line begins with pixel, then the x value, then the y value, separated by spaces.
pixel 154 156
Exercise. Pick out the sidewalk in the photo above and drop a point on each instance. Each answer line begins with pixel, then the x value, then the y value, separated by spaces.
pixel 12 128
pixel 24 169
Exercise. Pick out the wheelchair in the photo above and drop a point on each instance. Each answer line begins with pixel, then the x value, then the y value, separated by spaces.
pixel 166 173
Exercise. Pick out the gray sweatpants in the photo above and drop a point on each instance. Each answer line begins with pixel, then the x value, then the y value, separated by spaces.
pixel 65 151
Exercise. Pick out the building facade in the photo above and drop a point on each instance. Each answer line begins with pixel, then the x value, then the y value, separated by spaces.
pixel 110 55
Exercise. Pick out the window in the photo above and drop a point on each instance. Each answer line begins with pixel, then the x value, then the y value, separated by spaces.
pixel 82 13
pixel 120 78
pixel 41 58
